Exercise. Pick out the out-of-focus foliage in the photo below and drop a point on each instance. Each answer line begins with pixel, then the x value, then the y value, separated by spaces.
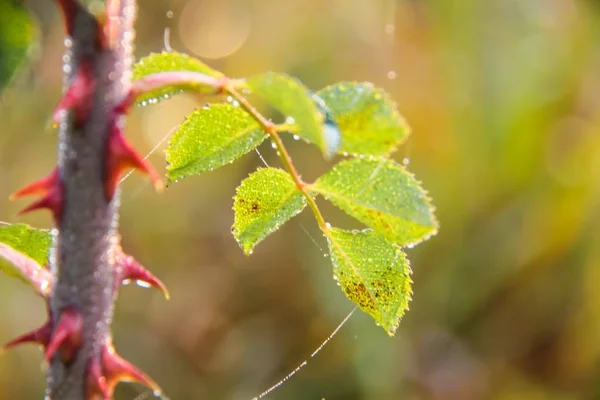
pixel 503 98
pixel 16 35
pixel 33 242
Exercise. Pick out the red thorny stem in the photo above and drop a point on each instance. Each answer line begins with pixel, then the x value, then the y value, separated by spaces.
pixel 87 261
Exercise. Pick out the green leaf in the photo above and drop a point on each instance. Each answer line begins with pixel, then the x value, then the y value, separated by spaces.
pixel 17 264
pixel 171 62
pixel 23 251
pixel 382 195
pixel 263 202
pixel 17 33
pixel 367 118
pixel 373 273
pixel 35 243
pixel 210 138
pixel 292 99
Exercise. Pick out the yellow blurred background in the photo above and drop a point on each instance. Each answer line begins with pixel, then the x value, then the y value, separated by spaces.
pixel 503 100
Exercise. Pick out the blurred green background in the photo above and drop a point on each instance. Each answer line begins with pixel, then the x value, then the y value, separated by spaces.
pixel 503 99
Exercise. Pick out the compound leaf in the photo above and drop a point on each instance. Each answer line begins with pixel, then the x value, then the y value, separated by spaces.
pixel 210 138
pixel 263 202
pixel 367 118
pixel 373 273
pixel 23 251
pixel 382 195
pixel 292 99
pixel 172 62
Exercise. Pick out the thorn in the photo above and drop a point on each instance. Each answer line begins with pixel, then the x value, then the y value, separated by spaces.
pixel 121 156
pixel 67 336
pixel 130 269
pixel 53 201
pixel 41 186
pixel 79 94
pixel 51 189
pixel 96 381
pixel 69 9
pixel 125 106
pixel 104 375
pixel 40 336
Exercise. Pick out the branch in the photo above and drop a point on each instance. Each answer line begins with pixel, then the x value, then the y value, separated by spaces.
pixel 87 263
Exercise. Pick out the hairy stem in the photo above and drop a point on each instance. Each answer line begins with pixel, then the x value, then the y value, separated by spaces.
pixel 83 255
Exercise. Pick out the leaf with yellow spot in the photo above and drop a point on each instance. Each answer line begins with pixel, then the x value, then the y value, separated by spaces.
pixel 367 118
pixel 172 62
pixel 263 202
pixel 210 138
pixel 383 195
pixel 373 273
pixel 23 251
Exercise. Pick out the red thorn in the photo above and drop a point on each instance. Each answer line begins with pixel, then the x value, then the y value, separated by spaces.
pixel 67 336
pixel 130 269
pixel 53 201
pixel 79 95
pixel 103 376
pixel 41 186
pixel 51 189
pixel 40 336
pixel 96 381
pixel 69 9
pixel 125 106
pixel 121 156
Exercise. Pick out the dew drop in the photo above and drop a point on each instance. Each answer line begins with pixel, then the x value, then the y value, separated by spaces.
pixel 126 282
pixel 235 103
pixel 170 14
pixel 142 284
pixel 327 225
pixel 68 43
pixel 391 75
pixel 290 120
pixel 273 145
pixel 405 161
pixel 229 99
pixel 296 137
pixel 66 68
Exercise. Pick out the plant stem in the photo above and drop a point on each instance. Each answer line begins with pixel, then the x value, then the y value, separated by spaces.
pixel 271 129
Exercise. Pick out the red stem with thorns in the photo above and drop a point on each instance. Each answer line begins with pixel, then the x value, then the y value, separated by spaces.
pixel 87 262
